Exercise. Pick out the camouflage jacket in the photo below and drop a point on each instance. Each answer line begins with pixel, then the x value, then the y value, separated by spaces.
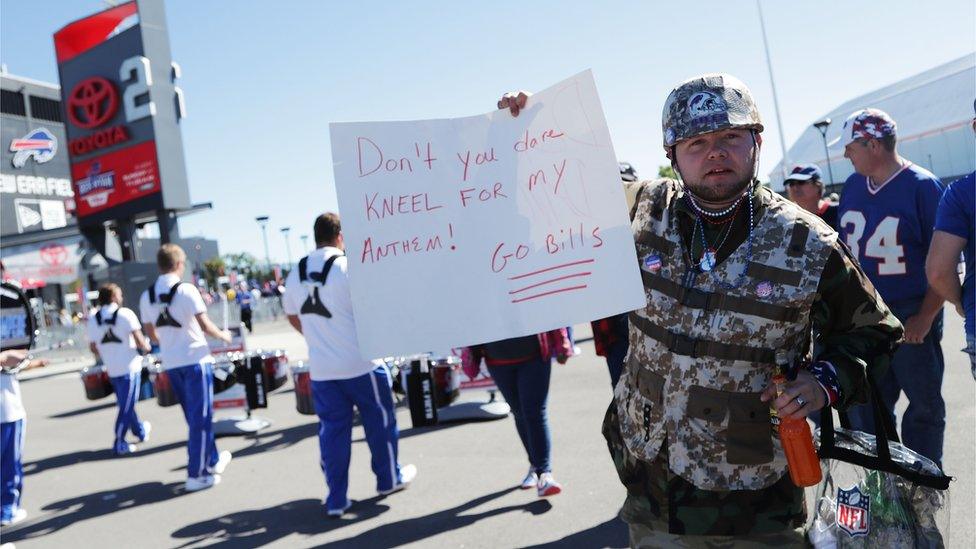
pixel 853 329
pixel 851 326
pixel 704 347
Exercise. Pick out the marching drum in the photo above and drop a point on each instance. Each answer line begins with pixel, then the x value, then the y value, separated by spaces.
pixel 303 389
pixel 96 382
pixel 250 372
pixel 165 395
pixel 224 373
pixel 416 374
pixel 396 366
pixel 446 376
pixel 146 390
pixel 275 367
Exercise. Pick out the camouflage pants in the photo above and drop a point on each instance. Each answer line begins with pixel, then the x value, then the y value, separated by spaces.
pixel 642 537
pixel 665 510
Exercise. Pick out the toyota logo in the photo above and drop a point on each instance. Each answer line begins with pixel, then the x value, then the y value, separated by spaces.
pixel 54 254
pixel 92 102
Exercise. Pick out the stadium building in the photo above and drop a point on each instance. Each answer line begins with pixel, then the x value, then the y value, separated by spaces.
pixel 40 243
pixel 934 114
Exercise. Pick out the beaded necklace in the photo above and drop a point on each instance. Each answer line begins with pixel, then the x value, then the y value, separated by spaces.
pixel 707 263
pixel 707 213
pixel 722 221
pixel 711 251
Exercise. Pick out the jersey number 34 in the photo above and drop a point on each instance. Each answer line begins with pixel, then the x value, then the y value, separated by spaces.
pixel 881 245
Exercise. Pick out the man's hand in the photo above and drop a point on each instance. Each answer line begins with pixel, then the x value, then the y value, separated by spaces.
pixel 514 101
pixel 37 363
pixel 226 336
pixel 13 357
pixel 916 328
pixel 811 396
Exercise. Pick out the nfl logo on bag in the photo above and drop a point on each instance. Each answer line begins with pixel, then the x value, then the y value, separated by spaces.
pixel 853 512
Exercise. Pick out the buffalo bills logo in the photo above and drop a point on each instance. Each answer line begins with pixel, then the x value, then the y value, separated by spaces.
pixel 705 103
pixel 853 512
pixel 39 144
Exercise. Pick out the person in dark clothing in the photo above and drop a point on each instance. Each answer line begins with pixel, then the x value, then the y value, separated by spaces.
pixel 610 340
pixel 521 368
pixel 245 301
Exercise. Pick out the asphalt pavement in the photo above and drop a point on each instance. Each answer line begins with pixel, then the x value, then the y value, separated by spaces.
pixel 78 495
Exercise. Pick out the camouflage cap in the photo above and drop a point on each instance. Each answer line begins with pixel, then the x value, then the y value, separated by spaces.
pixel 865 124
pixel 708 103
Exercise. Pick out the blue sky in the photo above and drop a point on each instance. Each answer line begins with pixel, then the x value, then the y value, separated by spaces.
pixel 263 79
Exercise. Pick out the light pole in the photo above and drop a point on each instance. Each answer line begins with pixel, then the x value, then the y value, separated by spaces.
pixel 263 222
pixel 822 128
pixel 285 231
pixel 769 66
pixel 304 239
pixel 199 267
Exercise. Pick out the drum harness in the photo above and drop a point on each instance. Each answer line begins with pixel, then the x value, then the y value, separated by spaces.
pixel 313 303
pixel 109 336
pixel 164 318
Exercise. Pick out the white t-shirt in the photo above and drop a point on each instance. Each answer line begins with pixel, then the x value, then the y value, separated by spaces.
pixel 11 406
pixel 333 348
pixel 123 358
pixel 182 346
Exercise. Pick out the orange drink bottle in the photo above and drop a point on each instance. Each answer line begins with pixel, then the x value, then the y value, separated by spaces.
pixel 797 441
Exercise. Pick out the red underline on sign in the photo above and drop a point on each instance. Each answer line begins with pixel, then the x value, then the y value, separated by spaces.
pixel 521 299
pixel 551 269
pixel 549 282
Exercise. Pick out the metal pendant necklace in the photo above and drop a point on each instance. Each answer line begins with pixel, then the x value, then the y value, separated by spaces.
pixel 708 258
pixel 707 263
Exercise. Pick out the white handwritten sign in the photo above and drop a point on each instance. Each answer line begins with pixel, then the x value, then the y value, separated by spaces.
pixel 483 228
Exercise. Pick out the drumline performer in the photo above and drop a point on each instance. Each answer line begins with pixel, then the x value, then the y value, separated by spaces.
pixel 174 315
pixel 115 336
pixel 319 306
pixel 13 417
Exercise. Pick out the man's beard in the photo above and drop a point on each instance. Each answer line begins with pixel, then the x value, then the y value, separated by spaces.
pixel 717 193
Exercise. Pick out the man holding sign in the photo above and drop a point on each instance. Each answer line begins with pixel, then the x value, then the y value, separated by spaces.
pixel 732 273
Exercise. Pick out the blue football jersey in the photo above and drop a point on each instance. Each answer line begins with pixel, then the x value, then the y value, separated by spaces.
pixel 889 229
pixel 957 216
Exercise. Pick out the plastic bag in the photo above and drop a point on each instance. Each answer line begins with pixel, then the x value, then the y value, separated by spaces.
pixel 860 507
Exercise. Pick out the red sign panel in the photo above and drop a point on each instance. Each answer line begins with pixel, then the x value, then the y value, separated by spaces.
pixel 85 34
pixel 115 178
pixel 118 89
